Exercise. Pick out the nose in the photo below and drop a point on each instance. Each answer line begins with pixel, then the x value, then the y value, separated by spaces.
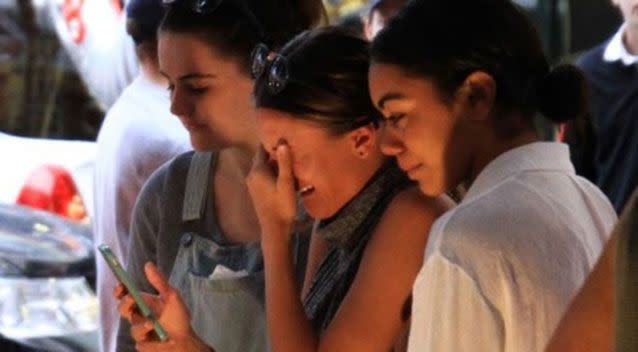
pixel 391 141
pixel 180 105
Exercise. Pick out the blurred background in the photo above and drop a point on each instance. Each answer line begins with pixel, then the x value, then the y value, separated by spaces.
pixel 42 95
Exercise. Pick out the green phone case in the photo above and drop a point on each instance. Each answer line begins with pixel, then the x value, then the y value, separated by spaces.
pixel 125 279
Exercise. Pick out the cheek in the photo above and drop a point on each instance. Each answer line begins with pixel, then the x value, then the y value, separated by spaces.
pixel 435 143
pixel 318 166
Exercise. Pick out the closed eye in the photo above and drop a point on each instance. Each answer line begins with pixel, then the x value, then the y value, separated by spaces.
pixel 197 90
pixel 394 119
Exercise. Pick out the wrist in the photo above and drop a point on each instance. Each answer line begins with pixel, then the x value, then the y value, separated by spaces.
pixel 274 245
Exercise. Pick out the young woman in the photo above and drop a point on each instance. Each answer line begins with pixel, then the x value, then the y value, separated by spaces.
pixel 194 219
pixel 459 84
pixel 319 132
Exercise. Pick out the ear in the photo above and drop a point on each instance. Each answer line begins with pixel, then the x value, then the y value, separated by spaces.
pixel 476 96
pixel 362 140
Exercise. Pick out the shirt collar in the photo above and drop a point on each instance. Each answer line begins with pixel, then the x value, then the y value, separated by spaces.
pixel 529 157
pixel 616 50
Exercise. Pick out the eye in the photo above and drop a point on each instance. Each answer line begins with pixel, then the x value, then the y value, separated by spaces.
pixel 394 119
pixel 197 90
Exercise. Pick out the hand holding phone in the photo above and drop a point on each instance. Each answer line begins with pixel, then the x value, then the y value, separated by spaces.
pixel 124 278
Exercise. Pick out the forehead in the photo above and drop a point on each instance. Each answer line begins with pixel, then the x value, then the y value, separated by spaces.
pixel 275 124
pixel 187 52
pixel 389 79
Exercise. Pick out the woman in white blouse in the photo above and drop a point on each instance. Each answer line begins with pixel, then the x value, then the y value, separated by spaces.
pixel 501 268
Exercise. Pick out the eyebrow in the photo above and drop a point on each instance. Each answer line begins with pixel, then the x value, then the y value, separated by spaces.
pixel 192 76
pixel 387 97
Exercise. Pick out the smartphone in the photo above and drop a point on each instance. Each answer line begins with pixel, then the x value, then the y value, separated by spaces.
pixel 125 279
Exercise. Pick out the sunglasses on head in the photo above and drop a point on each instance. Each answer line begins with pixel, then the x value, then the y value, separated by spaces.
pixel 276 65
pixel 206 7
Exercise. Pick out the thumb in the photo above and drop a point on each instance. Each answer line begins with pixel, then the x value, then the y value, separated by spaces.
pixel 157 279
pixel 284 164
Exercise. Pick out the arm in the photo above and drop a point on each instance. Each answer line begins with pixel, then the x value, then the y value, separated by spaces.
pixel 589 322
pixel 142 246
pixel 370 316
pixel 592 322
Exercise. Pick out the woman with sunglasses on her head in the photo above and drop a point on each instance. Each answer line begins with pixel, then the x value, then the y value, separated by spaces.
pixel 319 133
pixel 501 267
pixel 194 221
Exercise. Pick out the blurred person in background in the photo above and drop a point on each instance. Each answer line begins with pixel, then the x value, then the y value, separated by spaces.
pixel 93 34
pixel 379 13
pixel 137 135
pixel 609 150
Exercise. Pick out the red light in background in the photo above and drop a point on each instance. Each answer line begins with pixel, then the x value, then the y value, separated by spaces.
pixel 51 188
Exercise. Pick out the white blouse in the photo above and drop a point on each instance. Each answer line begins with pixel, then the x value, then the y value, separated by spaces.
pixel 501 268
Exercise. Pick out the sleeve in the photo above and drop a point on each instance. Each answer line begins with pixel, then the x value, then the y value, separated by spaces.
pixel 147 215
pixel 449 312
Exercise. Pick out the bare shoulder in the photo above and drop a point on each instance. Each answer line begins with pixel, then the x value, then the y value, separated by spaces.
pixel 410 214
pixel 411 203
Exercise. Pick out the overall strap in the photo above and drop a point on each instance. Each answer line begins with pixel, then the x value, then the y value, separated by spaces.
pixel 197 186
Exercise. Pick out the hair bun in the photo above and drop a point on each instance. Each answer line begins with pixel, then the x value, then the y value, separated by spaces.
pixel 563 94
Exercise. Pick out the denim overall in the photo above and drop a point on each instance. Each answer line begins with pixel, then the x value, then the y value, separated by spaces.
pixel 222 285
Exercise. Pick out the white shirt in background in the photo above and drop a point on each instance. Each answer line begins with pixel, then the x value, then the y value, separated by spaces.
pixel 138 135
pixel 616 50
pixel 501 268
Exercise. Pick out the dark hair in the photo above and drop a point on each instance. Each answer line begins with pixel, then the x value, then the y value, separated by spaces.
pixel 353 23
pixel 447 40
pixel 236 26
pixel 143 17
pixel 328 80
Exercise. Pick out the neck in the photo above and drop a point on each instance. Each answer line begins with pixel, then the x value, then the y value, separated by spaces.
pixel 368 170
pixel 496 148
pixel 237 160
pixel 630 39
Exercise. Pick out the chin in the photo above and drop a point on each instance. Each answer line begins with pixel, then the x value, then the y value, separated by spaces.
pixel 316 211
pixel 431 189
pixel 203 143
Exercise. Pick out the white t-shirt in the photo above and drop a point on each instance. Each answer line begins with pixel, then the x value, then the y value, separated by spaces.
pixel 93 34
pixel 137 136
pixel 501 268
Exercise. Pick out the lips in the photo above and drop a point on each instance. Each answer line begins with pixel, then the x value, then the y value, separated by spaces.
pixel 303 190
pixel 306 190
pixel 411 169
pixel 192 125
